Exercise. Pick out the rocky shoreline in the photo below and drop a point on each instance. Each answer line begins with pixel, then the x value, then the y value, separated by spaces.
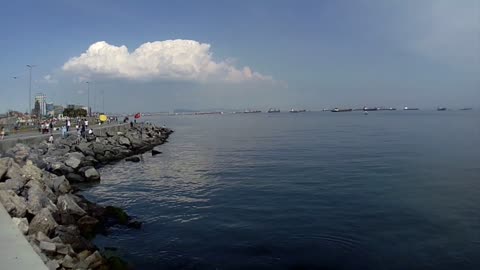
pixel 37 188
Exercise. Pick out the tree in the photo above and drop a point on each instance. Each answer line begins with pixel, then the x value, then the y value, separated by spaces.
pixel 70 112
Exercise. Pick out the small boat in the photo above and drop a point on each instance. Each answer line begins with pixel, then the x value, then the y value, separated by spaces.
pixel 254 111
pixel 341 110
pixel 410 109
pixel 271 110
pixel 297 111
pixel 366 109
pixel 441 109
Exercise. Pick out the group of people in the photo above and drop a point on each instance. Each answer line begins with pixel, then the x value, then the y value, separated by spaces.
pixel 82 129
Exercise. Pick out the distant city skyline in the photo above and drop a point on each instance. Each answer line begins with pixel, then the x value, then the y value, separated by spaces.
pixel 160 56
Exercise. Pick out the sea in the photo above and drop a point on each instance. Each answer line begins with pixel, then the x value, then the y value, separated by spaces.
pixel 313 190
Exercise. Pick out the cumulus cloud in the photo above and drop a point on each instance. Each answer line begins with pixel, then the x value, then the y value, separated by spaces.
pixel 186 60
pixel 49 79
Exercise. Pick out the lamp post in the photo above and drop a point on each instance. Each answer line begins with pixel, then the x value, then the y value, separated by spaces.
pixel 30 90
pixel 88 97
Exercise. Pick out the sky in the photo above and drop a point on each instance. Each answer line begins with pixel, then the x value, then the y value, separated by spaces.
pixel 165 55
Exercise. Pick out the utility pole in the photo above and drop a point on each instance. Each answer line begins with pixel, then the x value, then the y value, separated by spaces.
pixel 103 101
pixel 88 96
pixel 30 91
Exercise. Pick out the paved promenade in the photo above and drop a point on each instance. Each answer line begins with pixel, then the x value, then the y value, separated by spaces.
pixel 15 251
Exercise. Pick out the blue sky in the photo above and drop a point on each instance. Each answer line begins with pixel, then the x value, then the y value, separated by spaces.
pixel 242 54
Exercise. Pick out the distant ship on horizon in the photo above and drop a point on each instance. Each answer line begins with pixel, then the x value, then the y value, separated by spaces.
pixel 410 109
pixel 297 111
pixel 273 110
pixel 441 109
pixel 252 111
pixel 341 110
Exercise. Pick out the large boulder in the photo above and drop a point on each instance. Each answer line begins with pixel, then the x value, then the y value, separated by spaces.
pixel 75 178
pixel 61 185
pixel 4 165
pixel 66 204
pixel 15 205
pixel 87 225
pixel 22 224
pixel 31 171
pixel 38 198
pixel 85 149
pixel 15 184
pixel 74 159
pixel 71 235
pixel 91 174
pixel 59 168
pixel 123 141
pixel 43 222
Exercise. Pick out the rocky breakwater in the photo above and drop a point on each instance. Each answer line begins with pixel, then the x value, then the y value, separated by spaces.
pixel 37 188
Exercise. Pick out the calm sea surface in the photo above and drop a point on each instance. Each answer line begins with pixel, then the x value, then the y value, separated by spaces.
pixel 390 190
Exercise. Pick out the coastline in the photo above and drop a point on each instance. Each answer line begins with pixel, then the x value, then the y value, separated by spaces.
pixel 38 190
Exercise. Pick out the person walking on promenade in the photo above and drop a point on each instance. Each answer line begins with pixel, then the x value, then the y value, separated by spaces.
pixel 68 124
pixel 51 126
pixel 86 123
pixel 50 139
pixel 2 133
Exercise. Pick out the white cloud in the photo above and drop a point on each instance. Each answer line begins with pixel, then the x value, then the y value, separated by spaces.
pixel 49 79
pixel 178 59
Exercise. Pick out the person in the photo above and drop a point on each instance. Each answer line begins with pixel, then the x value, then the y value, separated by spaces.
pixel 131 124
pixel 86 123
pixel 2 133
pixel 51 127
pixel 68 125
pixel 50 140
pixel 64 131
pixel 83 131
pixel 90 131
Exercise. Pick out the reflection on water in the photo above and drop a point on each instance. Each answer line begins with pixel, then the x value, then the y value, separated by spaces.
pixel 311 191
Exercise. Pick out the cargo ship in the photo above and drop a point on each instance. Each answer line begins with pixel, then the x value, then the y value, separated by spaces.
pixel 297 111
pixel 341 110
pixel 271 110
pixel 410 109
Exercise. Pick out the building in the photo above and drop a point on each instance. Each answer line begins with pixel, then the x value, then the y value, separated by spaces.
pixel 49 108
pixel 42 101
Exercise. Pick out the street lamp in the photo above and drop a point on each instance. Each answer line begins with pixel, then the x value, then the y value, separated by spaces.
pixel 88 96
pixel 30 91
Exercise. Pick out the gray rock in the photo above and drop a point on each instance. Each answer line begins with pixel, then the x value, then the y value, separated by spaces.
pixel 75 178
pixel 31 171
pixel 22 224
pixel 87 225
pixel 15 171
pixel 83 255
pixel 99 148
pixel 4 165
pixel 94 260
pixel 37 197
pixel 133 159
pixel 40 236
pixel 92 174
pixel 61 185
pixel 73 162
pixel 60 168
pixel 69 262
pixel 89 161
pixel 155 152
pixel 71 235
pixel 64 249
pixel 39 252
pixel 15 184
pixel 123 141
pixel 15 205
pixel 66 203
pixel 85 149
pixel 52 265
pixel 47 246
pixel 43 222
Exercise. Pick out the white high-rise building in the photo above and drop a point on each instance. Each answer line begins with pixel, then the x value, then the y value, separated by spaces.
pixel 42 100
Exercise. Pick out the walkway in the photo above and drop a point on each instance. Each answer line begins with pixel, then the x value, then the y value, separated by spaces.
pixel 15 251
